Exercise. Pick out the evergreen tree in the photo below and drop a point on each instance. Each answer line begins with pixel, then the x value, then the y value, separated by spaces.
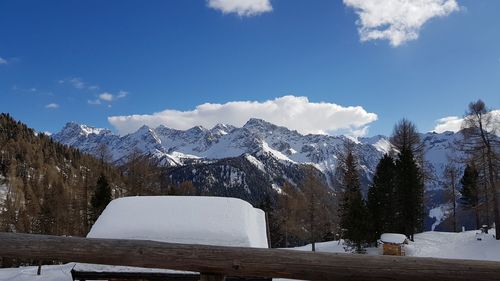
pixel 380 203
pixel 409 195
pixel 470 191
pixel 353 209
pixel 451 176
pixel 101 197
pixel 409 179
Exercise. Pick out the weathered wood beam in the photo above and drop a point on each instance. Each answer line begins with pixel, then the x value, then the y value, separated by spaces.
pixel 235 261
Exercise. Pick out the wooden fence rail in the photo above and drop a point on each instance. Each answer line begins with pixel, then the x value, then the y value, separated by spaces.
pixel 242 262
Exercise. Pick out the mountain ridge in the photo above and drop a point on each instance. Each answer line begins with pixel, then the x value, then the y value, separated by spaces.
pixel 261 143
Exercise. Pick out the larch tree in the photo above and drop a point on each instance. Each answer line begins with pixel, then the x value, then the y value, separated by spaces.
pixel 480 128
pixel 313 207
pixel 451 176
pixel 287 211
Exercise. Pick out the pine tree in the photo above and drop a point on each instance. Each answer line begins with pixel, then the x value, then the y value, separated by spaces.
pixel 409 195
pixel 409 179
pixel 380 203
pixel 354 214
pixel 101 197
pixel 470 191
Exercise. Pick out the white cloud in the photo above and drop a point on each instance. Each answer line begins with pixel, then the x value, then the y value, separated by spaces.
pixel 52 106
pixel 454 123
pixel 293 112
pixel 106 96
pixel 94 102
pixel 121 94
pixel 397 20
pixel 450 123
pixel 3 61
pixel 78 83
pixel 241 7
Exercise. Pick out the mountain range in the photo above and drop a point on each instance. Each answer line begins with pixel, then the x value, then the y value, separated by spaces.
pixel 258 157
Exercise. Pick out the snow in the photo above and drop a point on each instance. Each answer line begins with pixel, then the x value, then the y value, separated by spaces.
pixel 87 130
pixel 183 219
pixel 4 189
pixel 63 272
pixel 277 188
pixel 383 145
pixel 275 153
pixel 439 213
pixel 434 244
pixel 255 162
pixel 29 273
pixel 114 268
pixel 395 238
pixel 448 245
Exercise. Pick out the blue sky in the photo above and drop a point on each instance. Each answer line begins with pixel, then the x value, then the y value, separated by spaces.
pixel 85 61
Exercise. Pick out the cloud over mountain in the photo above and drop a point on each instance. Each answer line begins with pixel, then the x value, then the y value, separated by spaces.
pixel 454 123
pixel 397 20
pixel 293 112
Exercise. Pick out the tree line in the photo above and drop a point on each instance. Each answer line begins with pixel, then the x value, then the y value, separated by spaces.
pixel 395 199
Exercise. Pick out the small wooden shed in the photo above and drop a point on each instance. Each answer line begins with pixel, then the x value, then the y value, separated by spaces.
pixel 393 243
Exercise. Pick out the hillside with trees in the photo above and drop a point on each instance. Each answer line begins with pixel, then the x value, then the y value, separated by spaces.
pixel 48 187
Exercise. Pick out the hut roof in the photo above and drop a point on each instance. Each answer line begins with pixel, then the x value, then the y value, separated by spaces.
pixel 395 238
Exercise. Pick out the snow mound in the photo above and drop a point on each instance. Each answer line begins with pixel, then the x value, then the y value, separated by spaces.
pixel 183 219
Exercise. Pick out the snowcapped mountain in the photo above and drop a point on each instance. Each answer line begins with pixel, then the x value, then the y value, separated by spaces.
pixel 259 152
pixel 176 147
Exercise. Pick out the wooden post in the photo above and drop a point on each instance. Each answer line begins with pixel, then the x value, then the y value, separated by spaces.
pixel 244 262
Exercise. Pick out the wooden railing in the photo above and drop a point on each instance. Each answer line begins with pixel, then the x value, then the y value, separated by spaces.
pixel 214 262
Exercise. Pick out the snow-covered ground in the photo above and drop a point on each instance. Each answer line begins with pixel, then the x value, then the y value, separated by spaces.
pixel 447 245
pixel 462 245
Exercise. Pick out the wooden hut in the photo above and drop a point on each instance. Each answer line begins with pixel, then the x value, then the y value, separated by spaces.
pixel 393 244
